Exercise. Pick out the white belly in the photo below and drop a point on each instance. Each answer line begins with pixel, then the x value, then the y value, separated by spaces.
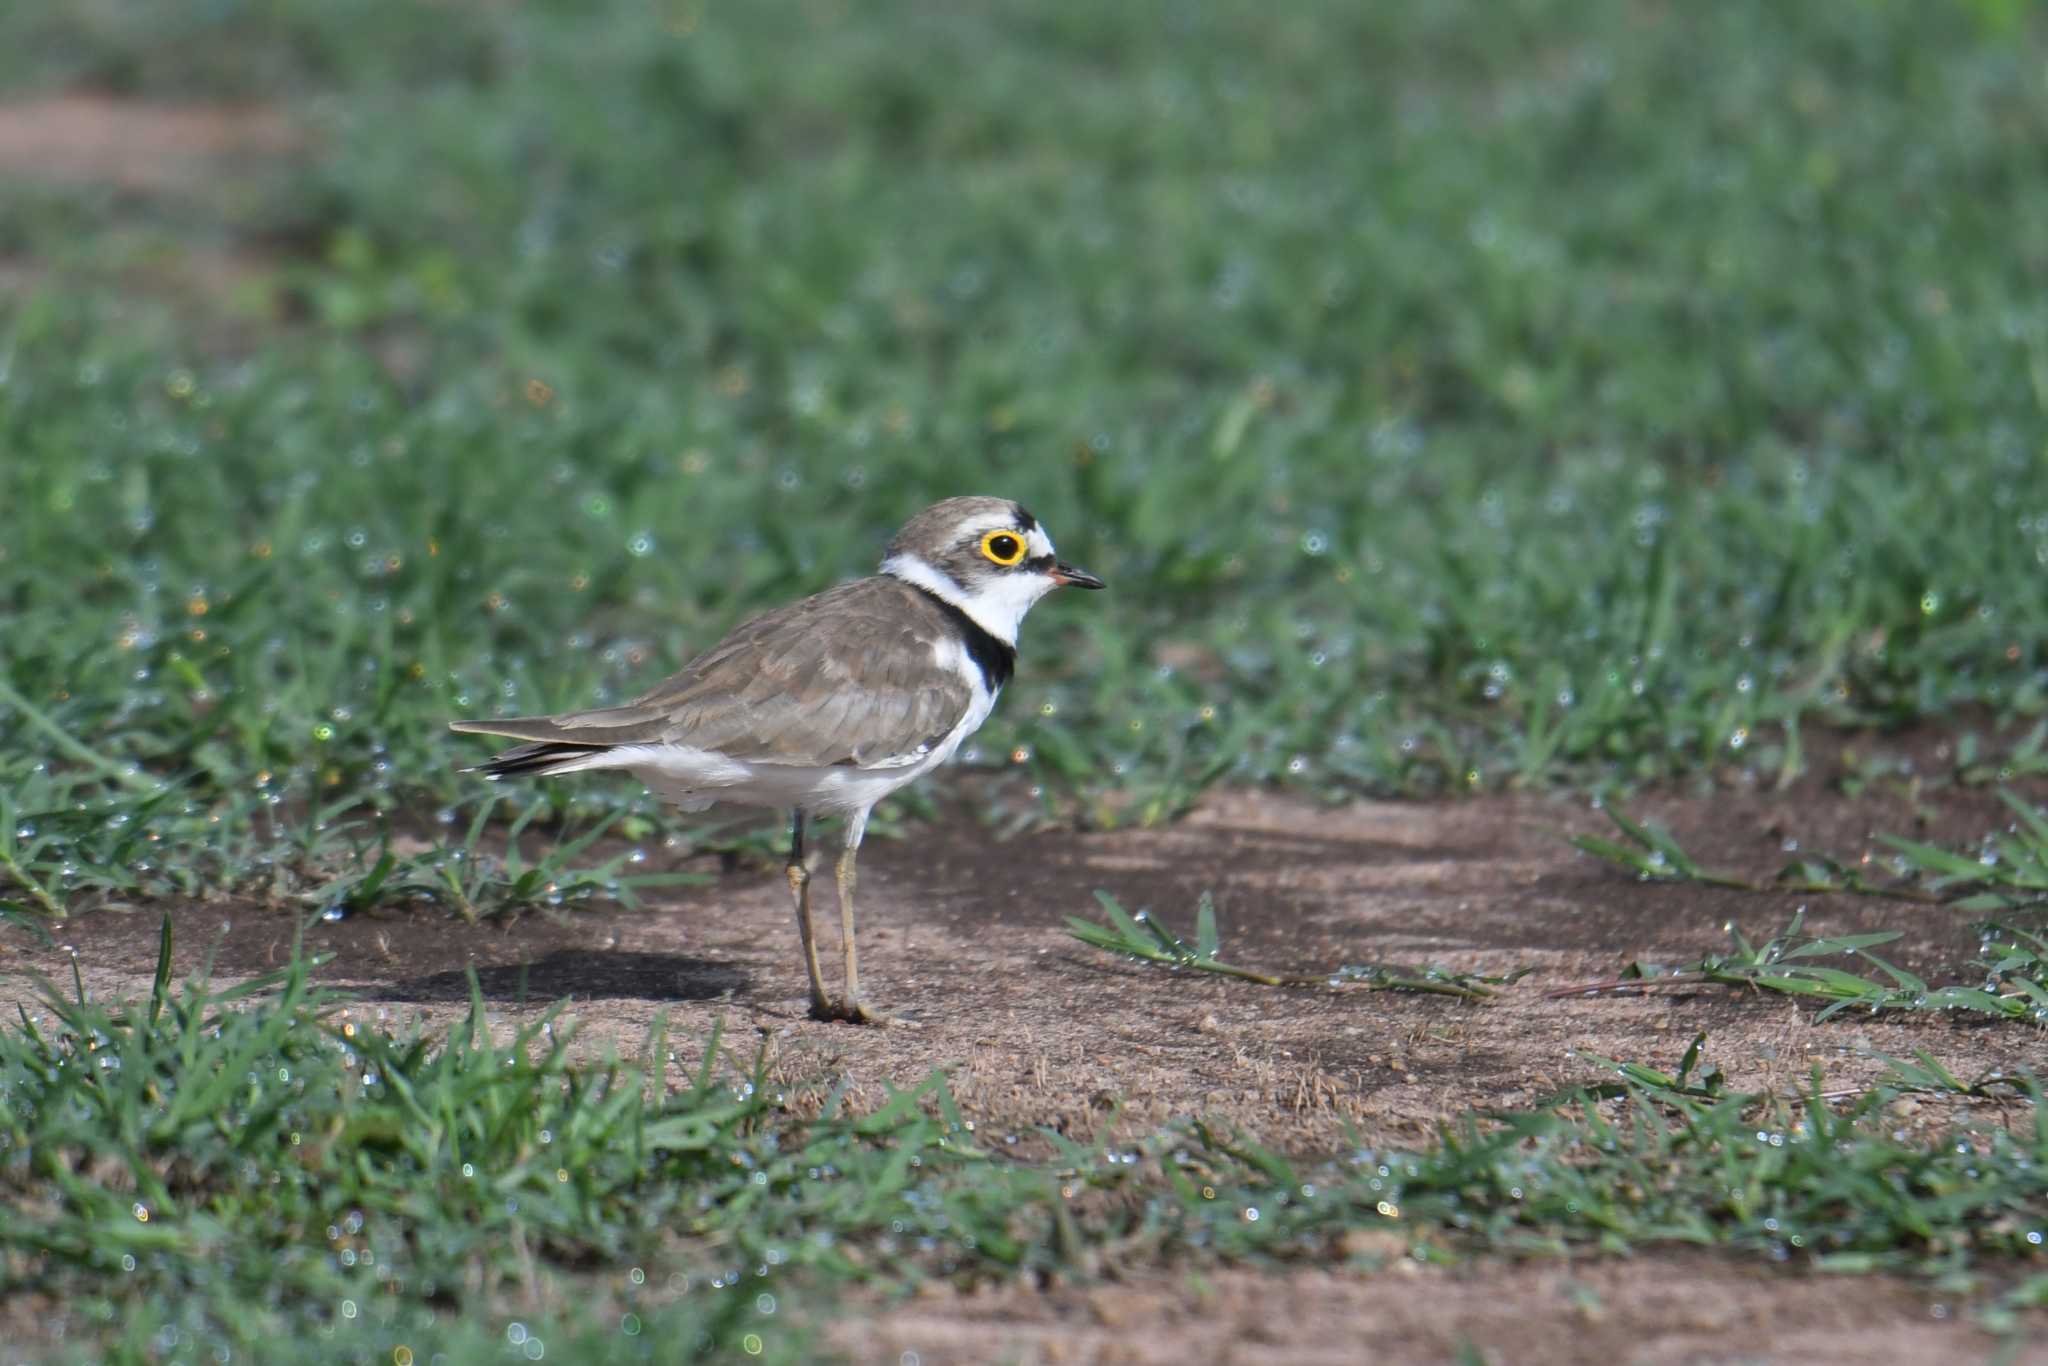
pixel 694 779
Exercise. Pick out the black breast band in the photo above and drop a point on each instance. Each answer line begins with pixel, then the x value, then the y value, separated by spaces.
pixel 996 660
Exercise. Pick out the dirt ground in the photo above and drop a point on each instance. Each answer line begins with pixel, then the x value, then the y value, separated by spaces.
pixel 963 941
pixel 99 141
pixel 165 177
pixel 1653 1311
pixel 963 938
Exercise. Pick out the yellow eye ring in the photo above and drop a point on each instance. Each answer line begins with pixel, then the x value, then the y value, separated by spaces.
pixel 1003 547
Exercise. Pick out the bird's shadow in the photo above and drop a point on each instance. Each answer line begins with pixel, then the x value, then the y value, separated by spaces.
pixel 589 974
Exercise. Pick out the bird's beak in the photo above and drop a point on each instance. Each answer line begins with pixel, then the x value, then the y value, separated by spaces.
pixel 1066 576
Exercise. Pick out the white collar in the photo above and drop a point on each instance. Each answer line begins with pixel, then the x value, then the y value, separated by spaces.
pixel 998 609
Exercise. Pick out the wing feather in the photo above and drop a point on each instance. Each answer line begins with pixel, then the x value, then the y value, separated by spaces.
pixel 850 676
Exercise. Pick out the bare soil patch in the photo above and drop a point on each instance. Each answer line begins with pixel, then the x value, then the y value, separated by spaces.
pixel 173 184
pixel 126 144
pixel 963 937
pixel 1650 1311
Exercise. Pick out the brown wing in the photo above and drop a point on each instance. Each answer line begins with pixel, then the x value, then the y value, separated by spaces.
pixel 847 677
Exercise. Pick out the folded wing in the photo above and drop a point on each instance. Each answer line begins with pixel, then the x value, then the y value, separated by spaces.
pixel 851 676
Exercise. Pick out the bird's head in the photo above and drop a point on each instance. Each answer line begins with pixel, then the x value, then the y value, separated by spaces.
pixel 987 556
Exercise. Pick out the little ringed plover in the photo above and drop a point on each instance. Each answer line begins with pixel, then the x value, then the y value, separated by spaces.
pixel 829 704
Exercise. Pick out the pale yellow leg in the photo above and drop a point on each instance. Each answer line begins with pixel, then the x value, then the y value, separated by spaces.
pixel 850 1007
pixel 800 891
pixel 849 1004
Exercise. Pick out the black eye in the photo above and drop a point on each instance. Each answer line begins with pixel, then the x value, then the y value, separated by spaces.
pixel 1003 548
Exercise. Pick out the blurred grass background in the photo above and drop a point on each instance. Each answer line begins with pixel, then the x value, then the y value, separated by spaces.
pixel 1454 396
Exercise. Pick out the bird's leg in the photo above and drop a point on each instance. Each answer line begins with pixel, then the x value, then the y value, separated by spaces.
pixel 800 890
pixel 850 1007
pixel 849 1004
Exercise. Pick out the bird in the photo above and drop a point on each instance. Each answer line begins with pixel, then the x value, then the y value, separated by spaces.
pixel 827 705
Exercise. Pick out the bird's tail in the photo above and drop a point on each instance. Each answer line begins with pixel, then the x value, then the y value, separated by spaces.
pixel 543 759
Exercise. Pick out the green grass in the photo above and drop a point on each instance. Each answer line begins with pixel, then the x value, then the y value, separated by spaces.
pixel 2011 981
pixel 2008 872
pixel 250 1166
pixel 2008 875
pixel 1144 938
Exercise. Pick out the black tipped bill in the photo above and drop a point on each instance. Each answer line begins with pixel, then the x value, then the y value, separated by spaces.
pixel 1067 576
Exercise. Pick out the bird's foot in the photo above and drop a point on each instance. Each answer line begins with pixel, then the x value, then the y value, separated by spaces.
pixel 852 1012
